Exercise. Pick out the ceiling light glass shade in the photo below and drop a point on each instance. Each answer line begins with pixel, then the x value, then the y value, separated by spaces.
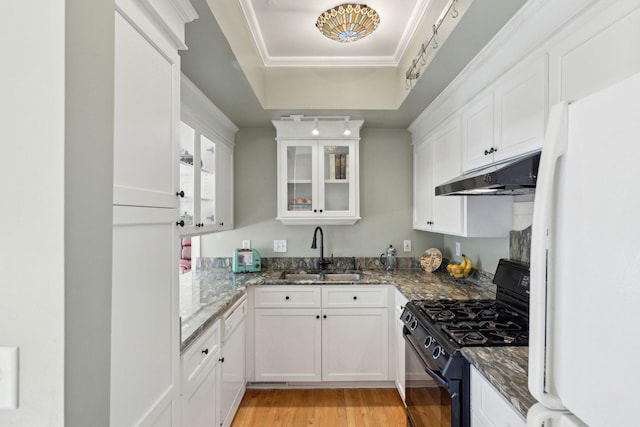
pixel 348 22
pixel 346 131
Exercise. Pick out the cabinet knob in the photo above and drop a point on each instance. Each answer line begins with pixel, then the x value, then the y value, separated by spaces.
pixel 287 297
pixel 317 316
pixel 205 351
pixel 315 210
pixel 221 360
pixel 355 297
pixel 221 223
pixel 324 316
pixel 180 223
pixel 321 210
pixel 180 194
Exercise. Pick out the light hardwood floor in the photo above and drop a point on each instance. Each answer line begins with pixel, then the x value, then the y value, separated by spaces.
pixel 322 408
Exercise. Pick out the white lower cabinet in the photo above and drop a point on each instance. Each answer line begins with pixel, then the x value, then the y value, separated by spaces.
pixel 488 407
pixel 213 372
pixel 233 377
pixel 329 333
pixel 287 344
pixel 144 319
pixel 355 344
pixel 200 375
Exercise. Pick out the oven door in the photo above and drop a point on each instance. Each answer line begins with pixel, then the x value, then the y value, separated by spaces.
pixel 431 399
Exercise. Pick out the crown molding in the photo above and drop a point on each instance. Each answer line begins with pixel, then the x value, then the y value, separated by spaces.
pixel 196 108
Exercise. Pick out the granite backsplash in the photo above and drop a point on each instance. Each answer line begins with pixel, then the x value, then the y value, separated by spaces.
pixel 520 245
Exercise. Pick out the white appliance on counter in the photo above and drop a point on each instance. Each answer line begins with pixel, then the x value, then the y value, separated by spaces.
pixel 585 254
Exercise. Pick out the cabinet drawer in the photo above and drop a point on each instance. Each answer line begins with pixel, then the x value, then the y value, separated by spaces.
pixel 234 317
pixel 199 353
pixel 287 296
pixel 354 296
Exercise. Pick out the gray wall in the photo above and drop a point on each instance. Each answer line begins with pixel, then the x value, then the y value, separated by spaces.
pixel 88 210
pixel 485 252
pixel 386 201
pixel 57 107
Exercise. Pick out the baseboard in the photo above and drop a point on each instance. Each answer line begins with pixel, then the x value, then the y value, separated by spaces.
pixel 319 385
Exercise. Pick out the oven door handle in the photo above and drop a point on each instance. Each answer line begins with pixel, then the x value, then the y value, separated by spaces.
pixel 414 345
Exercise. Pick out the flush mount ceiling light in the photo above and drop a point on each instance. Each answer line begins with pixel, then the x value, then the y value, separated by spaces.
pixel 348 22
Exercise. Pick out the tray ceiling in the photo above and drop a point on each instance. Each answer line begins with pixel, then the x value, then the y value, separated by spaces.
pixel 285 34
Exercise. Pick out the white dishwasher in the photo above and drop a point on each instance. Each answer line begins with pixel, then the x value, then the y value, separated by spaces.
pixel 233 368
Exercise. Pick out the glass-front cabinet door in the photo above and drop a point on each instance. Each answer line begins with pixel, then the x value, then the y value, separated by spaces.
pixel 337 189
pixel 300 169
pixel 187 178
pixel 197 180
pixel 317 181
pixel 207 181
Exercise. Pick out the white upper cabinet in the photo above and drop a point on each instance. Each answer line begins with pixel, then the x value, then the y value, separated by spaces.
pixel 318 175
pixel 448 213
pixel 477 132
pixel 224 188
pixel 600 45
pixel 507 119
pixel 144 305
pixel 206 164
pixel 423 194
pixel 147 85
pixel 521 109
pixel 438 159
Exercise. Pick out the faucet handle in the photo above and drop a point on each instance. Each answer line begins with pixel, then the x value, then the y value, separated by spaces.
pixel 323 263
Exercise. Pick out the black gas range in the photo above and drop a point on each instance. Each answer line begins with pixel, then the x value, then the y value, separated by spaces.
pixel 436 330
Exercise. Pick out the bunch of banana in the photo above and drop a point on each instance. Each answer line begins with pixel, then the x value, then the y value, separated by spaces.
pixel 461 270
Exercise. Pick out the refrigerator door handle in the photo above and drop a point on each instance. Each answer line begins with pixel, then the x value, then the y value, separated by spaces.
pixel 555 146
pixel 539 414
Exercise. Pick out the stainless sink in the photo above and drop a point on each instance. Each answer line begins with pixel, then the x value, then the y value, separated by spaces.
pixel 345 277
pixel 300 276
pixel 325 276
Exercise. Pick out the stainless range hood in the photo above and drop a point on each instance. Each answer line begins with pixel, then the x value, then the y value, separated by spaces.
pixel 514 177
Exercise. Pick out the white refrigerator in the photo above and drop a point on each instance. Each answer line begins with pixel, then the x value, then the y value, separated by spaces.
pixel 584 348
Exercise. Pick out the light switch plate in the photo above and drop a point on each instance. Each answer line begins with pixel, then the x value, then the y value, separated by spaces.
pixel 279 246
pixel 407 246
pixel 8 377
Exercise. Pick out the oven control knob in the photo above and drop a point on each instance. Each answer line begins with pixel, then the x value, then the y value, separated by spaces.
pixel 414 325
pixel 428 341
pixel 407 318
pixel 438 352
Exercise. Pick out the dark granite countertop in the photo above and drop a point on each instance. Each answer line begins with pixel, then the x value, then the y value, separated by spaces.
pixel 219 289
pixel 504 367
pixel 506 370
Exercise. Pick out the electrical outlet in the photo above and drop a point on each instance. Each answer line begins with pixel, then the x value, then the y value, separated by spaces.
pixel 279 246
pixel 407 245
pixel 8 377
pixel 246 244
pixel 458 249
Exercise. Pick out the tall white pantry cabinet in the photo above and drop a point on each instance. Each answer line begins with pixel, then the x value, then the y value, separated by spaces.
pixel 145 335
